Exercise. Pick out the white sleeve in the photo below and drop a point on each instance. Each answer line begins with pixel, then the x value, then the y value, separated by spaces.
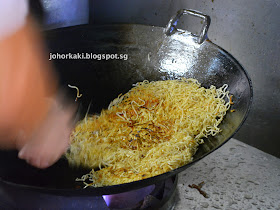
pixel 12 16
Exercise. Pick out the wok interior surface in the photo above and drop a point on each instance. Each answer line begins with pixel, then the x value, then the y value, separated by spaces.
pixel 151 56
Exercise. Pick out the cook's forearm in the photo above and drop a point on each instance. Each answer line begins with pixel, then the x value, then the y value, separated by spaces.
pixel 25 81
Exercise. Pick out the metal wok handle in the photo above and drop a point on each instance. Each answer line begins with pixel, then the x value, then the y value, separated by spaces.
pixel 171 26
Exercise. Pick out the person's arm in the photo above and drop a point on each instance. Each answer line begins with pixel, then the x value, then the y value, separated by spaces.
pixel 31 117
pixel 25 81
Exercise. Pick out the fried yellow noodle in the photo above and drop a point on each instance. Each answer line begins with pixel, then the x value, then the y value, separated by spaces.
pixel 152 129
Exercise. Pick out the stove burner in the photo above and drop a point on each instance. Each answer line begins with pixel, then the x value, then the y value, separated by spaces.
pixel 157 196
pixel 127 199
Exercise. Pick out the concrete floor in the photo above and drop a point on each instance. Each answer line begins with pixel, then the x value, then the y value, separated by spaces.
pixel 236 176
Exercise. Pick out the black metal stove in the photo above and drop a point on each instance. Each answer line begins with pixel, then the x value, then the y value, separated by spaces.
pixel 158 196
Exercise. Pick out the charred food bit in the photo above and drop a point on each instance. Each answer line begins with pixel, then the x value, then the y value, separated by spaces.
pixel 198 187
pixel 230 100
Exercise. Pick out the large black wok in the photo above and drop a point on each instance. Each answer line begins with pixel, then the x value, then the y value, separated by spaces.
pixel 154 53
